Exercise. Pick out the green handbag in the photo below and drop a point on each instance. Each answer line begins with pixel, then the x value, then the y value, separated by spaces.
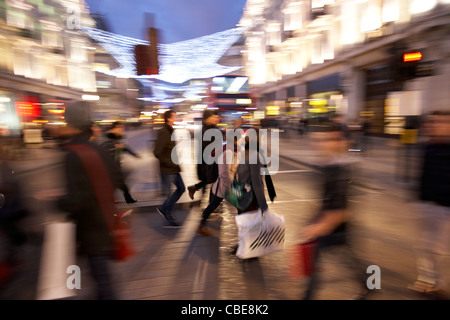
pixel 239 195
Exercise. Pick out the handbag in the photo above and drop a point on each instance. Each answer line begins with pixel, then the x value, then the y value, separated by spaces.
pixel 301 259
pixel 239 195
pixel 104 193
pixel 260 234
pixel 58 253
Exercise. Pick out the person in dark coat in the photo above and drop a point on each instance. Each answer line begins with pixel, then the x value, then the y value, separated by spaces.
pixel 93 235
pixel 12 212
pixel 434 197
pixel 210 121
pixel 115 147
pixel 170 171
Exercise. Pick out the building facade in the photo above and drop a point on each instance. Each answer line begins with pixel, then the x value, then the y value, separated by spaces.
pixel 384 59
pixel 46 60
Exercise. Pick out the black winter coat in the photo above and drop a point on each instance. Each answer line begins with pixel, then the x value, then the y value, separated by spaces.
pixel 80 201
pixel 435 178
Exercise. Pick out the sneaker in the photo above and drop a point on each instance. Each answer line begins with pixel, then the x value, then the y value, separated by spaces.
pixel 191 190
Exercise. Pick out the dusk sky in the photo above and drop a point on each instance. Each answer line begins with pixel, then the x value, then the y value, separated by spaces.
pixel 177 20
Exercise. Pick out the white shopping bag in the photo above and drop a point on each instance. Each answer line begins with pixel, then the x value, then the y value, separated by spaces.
pixel 57 255
pixel 259 234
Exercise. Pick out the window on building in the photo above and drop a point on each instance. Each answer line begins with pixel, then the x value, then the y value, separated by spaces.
pixel 273 33
pixel 293 19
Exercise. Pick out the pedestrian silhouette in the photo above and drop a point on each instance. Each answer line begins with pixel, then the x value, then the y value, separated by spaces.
pixel 116 147
pixel 93 235
pixel 434 191
pixel 170 171
pixel 330 226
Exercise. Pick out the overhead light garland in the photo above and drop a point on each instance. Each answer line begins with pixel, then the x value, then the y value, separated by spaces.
pixel 179 62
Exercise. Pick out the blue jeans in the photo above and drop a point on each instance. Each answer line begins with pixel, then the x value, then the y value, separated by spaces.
pixel 167 181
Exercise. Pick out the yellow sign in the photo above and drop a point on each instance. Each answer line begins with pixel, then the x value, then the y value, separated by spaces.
pixel 273 110
pixel 318 102
pixel 243 101
pixel 409 136
pixel 318 106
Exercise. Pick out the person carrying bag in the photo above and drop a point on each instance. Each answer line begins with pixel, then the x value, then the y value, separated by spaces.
pixel 89 200
pixel 105 196
pixel 260 231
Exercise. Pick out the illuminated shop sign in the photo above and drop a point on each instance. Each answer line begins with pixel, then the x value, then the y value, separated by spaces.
pixel 230 85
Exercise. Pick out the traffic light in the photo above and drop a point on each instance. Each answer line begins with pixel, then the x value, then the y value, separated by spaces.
pixel 147 55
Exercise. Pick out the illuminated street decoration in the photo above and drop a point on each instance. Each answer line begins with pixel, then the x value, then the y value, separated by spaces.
pixel 173 93
pixel 181 61
pixel 120 47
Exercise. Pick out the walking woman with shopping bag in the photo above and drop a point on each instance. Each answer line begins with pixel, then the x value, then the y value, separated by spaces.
pixel 260 231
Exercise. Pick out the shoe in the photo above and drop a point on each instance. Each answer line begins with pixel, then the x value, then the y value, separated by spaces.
pixel 129 199
pixel 191 190
pixel 428 289
pixel 172 224
pixel 204 231
pixel 421 286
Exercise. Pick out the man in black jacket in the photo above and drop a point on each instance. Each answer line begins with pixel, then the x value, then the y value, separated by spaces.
pixel 170 171
pixel 93 235
pixel 207 173
pixel 434 194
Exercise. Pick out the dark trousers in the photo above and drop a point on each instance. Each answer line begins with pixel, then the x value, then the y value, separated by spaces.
pixel 214 202
pixel 201 185
pixel 100 271
pixel 338 239
pixel 15 238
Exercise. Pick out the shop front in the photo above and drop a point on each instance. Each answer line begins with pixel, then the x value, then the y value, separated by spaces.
pixel 21 111
pixel 9 120
pixel 324 98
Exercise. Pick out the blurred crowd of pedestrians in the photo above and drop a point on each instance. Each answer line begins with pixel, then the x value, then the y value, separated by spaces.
pixel 329 228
